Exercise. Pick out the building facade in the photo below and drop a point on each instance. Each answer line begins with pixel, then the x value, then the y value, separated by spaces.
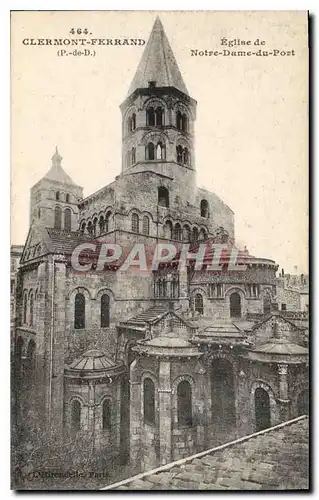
pixel 159 364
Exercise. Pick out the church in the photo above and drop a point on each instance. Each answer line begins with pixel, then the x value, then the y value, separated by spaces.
pixel 158 365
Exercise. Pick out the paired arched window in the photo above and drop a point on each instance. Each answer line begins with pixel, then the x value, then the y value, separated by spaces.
pixel 135 223
pixel 182 121
pixel 199 304
pixel 235 305
pixel 149 401
pixel 25 307
pixel 182 155
pixel 105 311
pixel 90 228
pixel 204 208
pixel 146 225
pixel 155 117
pixel 79 311
pixel 67 198
pixel 106 415
pixel 184 403
pixel 31 308
pixel 57 218
pixel 76 415
pixel 163 197
pixel 83 226
pixel 67 219
pixel 57 195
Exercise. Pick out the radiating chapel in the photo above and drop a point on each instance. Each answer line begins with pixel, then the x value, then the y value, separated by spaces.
pixel 158 365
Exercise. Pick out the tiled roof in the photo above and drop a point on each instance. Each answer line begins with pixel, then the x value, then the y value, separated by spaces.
pixel 273 459
pixel 65 242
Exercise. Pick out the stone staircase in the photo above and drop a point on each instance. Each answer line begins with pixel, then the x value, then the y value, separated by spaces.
pixel 148 316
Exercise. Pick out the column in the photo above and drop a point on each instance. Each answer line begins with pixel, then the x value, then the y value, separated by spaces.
pixel 201 396
pixel 283 400
pixel 135 416
pixel 165 408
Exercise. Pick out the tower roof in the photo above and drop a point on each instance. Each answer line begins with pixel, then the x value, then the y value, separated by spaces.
pixel 56 172
pixel 158 63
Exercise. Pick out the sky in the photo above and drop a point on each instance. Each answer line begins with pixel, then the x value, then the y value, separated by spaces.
pixel 252 114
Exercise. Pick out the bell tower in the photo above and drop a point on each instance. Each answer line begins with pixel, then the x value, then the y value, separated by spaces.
pixel 55 197
pixel 158 115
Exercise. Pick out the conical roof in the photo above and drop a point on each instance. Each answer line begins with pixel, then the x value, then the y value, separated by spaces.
pixel 158 63
pixel 56 172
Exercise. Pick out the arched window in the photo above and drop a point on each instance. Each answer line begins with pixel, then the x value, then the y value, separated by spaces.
pixel 67 198
pixel 146 225
pixel 150 151
pixel 105 311
pixel 179 120
pixel 31 309
pixel 133 122
pixel 235 305
pixel 79 311
pixel 179 154
pixel 150 117
pixel 57 195
pixel 135 223
pixel 185 157
pixel 160 151
pixel 57 218
pixel 202 235
pixel 262 409
pixel 195 234
pixel 67 219
pixel 159 115
pixel 133 155
pixel 199 304
pixel 177 232
pixel 25 307
pixel 106 414
pixel 83 225
pixel 184 403
pixel 95 221
pixel 90 228
pixel 107 222
pixel 76 415
pixel 204 208
pixel 168 230
pixel 101 224
pixel 149 401
pixel 163 197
